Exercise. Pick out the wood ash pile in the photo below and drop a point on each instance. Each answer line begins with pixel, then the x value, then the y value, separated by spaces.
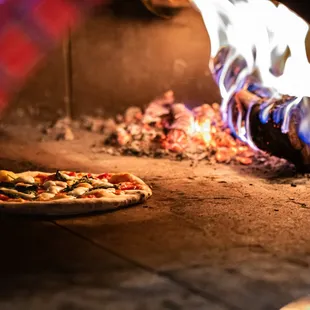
pixel 165 129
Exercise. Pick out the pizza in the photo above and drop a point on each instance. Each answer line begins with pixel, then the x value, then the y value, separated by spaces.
pixel 69 192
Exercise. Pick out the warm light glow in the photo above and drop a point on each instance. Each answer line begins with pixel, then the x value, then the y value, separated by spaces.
pixel 301 304
pixel 263 41
pixel 271 30
pixel 201 130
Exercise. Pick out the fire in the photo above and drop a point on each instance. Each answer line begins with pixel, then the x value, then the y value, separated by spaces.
pixel 167 128
pixel 201 131
pixel 258 42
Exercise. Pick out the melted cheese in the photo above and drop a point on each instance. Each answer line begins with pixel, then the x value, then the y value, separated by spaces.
pixel 46 196
pixel 54 189
pixel 67 177
pixel 25 179
pixel 79 191
pixel 105 185
pixel 86 185
pixel 96 182
pixel 101 183
pixel 61 184
pixel 7 176
pixel 70 182
pixel 48 184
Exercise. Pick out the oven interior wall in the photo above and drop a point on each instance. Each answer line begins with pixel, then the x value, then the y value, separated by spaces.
pixel 122 56
pixel 222 237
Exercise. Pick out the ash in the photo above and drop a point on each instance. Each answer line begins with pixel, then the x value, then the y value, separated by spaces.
pixel 166 129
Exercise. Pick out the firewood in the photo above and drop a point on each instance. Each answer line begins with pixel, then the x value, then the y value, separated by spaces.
pixel 269 137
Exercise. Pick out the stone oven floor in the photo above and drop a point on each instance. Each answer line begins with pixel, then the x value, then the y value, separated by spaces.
pixel 211 237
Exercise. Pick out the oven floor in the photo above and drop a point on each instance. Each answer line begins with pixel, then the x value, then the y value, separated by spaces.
pixel 211 237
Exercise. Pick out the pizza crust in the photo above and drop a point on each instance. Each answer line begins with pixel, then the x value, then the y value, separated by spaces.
pixel 65 206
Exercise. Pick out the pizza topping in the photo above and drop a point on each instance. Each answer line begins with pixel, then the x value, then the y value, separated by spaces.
pixel 7 184
pixel 95 182
pixel 54 189
pixel 41 178
pixel 4 197
pixel 104 185
pixel 129 185
pixel 15 194
pixel 71 174
pixel 118 192
pixel 24 179
pixel 46 196
pixel 26 188
pixel 86 185
pixel 61 184
pixel 5 191
pixel 60 176
pixel 54 186
pixel 72 185
pixel 65 185
pixel 48 184
pixel 79 191
pixel 7 176
pixel 101 193
pixel 104 176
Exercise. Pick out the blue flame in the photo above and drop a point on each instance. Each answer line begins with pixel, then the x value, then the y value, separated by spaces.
pixel 248 127
pixel 265 111
pixel 260 91
pixel 233 76
pixel 304 126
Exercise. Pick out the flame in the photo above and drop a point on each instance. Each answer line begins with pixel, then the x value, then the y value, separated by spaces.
pixel 201 130
pixel 264 41
pixel 270 30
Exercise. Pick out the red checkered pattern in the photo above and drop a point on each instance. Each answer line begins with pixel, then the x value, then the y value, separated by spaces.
pixel 56 16
pixel 18 54
pixel 3 99
pixel 28 30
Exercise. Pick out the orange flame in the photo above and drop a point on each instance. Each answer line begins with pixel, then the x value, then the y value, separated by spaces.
pixel 201 131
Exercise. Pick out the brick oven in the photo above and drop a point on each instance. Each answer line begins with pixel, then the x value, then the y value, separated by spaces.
pixel 224 229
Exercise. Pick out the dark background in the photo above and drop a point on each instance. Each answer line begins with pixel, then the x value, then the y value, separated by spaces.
pixel 122 56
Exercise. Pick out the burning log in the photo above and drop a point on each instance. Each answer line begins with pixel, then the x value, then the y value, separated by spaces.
pixel 269 137
pixel 254 60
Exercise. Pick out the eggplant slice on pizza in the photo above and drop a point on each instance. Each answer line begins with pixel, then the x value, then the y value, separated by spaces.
pixel 69 193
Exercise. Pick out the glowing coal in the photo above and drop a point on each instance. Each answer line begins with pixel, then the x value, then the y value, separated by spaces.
pixel 169 129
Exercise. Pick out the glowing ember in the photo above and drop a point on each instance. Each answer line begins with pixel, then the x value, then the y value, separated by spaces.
pixel 202 131
pixel 170 130
pixel 166 128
